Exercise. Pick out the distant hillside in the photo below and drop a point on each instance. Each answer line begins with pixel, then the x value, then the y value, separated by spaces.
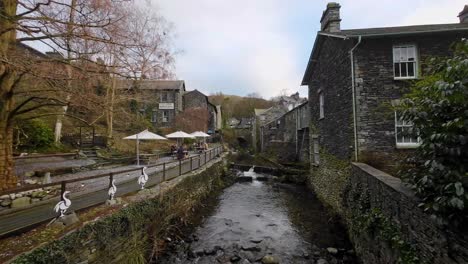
pixel 239 106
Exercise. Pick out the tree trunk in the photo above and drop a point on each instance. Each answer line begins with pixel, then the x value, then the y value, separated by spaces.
pixel 7 76
pixel 71 20
pixel 110 107
pixel 8 179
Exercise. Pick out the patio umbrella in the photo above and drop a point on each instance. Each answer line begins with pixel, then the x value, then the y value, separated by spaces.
pixel 200 134
pixel 178 135
pixel 144 135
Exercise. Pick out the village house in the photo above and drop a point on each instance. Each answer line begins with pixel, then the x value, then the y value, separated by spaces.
pixel 282 105
pixel 161 100
pixel 196 99
pixel 356 78
pixel 288 135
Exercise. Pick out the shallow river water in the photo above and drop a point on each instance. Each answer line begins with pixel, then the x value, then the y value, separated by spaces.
pixel 255 219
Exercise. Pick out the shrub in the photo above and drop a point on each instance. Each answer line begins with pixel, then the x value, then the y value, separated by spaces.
pixel 35 134
pixel 438 108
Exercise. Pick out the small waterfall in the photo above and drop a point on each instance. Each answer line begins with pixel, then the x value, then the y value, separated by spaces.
pixel 250 173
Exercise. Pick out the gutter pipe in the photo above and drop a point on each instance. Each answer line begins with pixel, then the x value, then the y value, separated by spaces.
pixel 351 52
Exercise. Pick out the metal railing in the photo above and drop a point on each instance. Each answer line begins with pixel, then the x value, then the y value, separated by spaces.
pixel 208 156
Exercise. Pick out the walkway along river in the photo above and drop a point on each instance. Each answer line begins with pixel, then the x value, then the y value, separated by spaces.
pixel 264 222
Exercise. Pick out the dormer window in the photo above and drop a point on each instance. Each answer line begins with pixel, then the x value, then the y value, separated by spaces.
pixel 405 62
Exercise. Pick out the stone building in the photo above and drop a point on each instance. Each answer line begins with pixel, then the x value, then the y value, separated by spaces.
pixel 161 100
pixel 288 135
pixel 196 99
pixel 355 78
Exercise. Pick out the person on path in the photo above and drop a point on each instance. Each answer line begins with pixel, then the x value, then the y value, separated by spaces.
pixel 180 152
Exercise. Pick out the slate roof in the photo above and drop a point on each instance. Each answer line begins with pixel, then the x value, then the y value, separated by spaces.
pixel 379 33
pixel 404 30
pixel 260 111
pixel 153 84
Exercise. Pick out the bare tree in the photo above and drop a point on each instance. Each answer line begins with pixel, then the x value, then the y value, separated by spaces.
pixel 193 119
pixel 55 23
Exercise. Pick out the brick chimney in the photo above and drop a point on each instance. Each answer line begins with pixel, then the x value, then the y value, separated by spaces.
pixel 464 15
pixel 330 21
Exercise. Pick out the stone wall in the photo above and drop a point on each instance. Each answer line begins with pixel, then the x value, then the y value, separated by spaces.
pixel 332 78
pixel 196 99
pixel 376 88
pixel 152 105
pixel 128 235
pixel 286 136
pixel 387 226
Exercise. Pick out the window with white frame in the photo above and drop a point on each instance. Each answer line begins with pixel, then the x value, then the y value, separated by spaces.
pixel 405 135
pixel 154 116
pixel 165 116
pixel 405 62
pixel 321 105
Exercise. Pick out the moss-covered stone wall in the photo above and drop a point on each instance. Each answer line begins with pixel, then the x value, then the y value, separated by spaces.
pixel 134 234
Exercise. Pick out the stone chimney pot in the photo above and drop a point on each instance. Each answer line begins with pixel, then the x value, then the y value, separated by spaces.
pixel 330 21
pixel 464 15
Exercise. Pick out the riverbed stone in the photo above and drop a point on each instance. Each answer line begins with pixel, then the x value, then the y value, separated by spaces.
pixel 235 258
pixel 20 202
pixel 6 202
pixel 4 197
pixel 251 248
pixel 269 259
pixel 29 174
pixel 12 196
pixel 332 250
pixel 322 261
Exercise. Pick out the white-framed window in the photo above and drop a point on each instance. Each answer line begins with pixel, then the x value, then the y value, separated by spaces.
pixel 165 116
pixel 321 105
pixel 315 150
pixel 405 62
pixel 405 135
pixel 154 116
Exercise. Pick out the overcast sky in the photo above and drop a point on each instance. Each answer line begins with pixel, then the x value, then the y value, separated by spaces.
pixel 244 46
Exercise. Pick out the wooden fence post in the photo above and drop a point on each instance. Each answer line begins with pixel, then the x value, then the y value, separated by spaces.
pixel 111 178
pixel 180 167
pixel 164 171
pixel 62 189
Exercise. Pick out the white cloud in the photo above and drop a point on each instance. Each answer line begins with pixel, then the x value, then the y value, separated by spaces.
pixel 242 37
pixel 243 46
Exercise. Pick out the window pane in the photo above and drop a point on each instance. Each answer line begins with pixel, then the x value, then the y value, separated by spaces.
pixel 403 54
pixel 396 54
pixel 403 70
pixel 397 69
pixel 411 53
pixel 411 66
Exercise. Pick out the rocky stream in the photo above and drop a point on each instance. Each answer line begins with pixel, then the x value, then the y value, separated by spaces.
pixel 263 222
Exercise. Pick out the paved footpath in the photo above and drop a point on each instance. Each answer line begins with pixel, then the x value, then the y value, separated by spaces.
pixel 94 194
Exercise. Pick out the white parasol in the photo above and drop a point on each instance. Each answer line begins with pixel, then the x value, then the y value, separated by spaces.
pixel 178 135
pixel 199 134
pixel 144 135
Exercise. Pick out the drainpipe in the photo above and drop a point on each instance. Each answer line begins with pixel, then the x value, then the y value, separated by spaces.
pixel 351 52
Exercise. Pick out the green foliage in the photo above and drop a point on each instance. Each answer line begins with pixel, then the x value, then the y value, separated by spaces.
pixel 129 235
pixel 373 221
pixel 35 134
pixel 438 108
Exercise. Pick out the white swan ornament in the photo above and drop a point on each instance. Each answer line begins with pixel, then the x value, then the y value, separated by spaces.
pixel 63 205
pixel 112 190
pixel 143 178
